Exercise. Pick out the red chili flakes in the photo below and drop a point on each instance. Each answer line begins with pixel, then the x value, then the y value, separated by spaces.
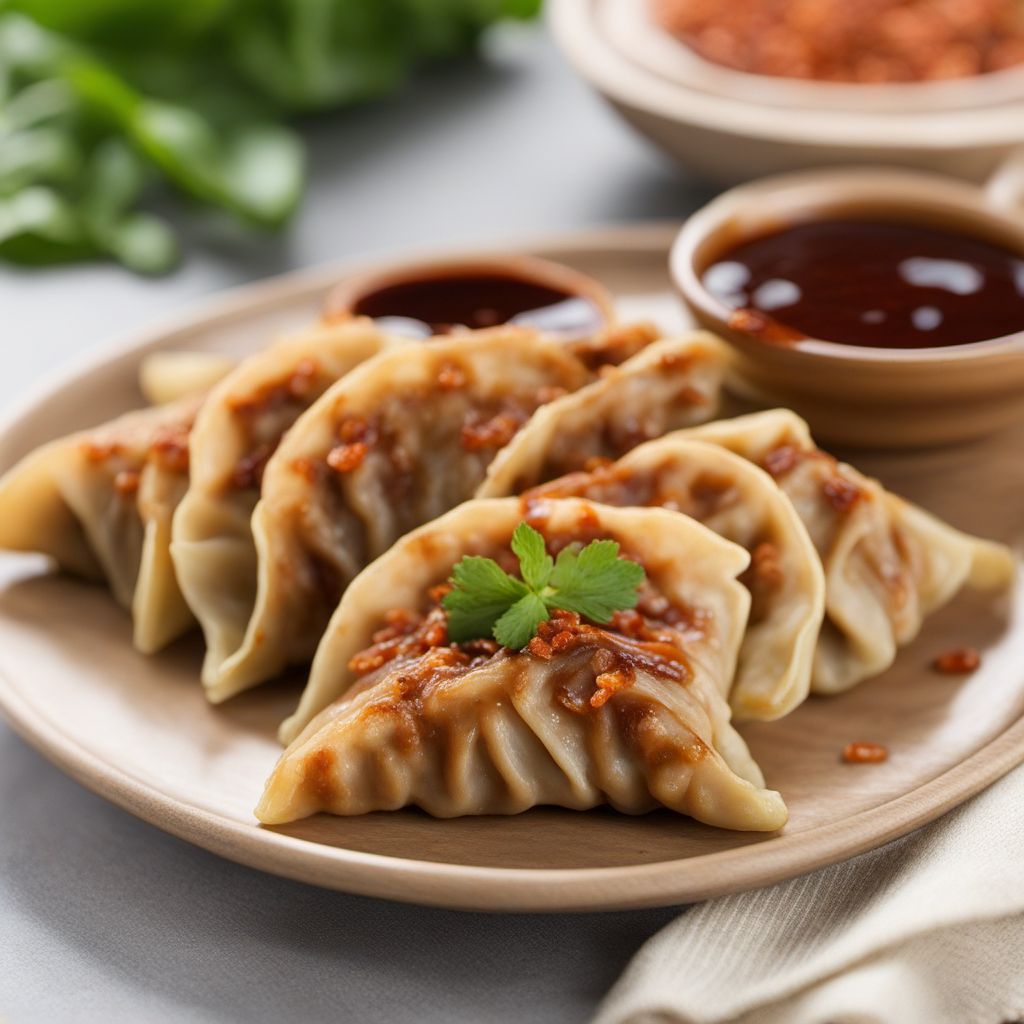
pixel 540 649
pixel 303 379
pixel 629 623
pixel 780 461
pixel 127 482
pixel 306 468
pixel 248 471
pixel 407 634
pixel 495 432
pixel 616 345
pixel 957 662
pixel 438 593
pixel 170 447
pixel 450 377
pixel 862 752
pixel 563 641
pixel 347 457
pixel 841 494
pixel 609 684
pixel 766 565
pixel 98 452
pixel 354 429
pixel 397 622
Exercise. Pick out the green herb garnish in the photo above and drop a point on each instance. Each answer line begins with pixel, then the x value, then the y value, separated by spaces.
pixel 592 581
pixel 200 95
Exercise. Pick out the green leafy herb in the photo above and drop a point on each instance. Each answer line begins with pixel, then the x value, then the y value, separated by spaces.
pixel 592 581
pixel 199 92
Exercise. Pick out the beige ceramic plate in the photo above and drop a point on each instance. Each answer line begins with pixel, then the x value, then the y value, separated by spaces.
pixel 138 731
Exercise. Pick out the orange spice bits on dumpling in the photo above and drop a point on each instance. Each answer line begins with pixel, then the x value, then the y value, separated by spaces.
pixel 742 503
pixel 397 442
pixel 100 503
pixel 237 431
pixel 670 384
pixel 888 564
pixel 631 713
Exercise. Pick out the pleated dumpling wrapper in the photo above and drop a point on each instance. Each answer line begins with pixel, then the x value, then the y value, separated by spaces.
pixel 235 434
pixel 673 383
pixel 631 714
pixel 402 439
pixel 742 503
pixel 100 504
pixel 888 564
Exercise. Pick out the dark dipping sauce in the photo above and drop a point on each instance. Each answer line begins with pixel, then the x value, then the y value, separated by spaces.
pixel 436 305
pixel 876 284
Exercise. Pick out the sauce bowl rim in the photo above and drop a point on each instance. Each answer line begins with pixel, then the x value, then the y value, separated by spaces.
pixel 872 183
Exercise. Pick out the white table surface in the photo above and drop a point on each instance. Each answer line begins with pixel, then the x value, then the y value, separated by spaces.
pixel 104 918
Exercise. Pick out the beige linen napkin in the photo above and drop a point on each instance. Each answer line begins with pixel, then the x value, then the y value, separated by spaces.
pixel 926 930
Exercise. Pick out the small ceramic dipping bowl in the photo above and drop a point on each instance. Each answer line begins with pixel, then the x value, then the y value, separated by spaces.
pixel 851 394
pixel 442 295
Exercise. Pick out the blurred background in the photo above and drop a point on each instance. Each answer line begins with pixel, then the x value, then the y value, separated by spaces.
pixel 155 151
pixel 156 133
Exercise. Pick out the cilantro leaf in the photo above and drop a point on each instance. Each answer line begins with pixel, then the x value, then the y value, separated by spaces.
pixel 535 564
pixel 483 593
pixel 517 626
pixel 595 582
pixel 592 581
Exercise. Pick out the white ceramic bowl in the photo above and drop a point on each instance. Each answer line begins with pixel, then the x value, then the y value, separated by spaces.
pixel 730 126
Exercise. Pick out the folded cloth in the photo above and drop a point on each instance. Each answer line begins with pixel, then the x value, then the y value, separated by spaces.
pixel 926 930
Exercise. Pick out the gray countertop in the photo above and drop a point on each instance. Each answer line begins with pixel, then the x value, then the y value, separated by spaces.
pixel 105 918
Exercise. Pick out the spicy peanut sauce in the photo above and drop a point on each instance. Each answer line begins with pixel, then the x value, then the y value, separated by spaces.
pixel 436 305
pixel 875 284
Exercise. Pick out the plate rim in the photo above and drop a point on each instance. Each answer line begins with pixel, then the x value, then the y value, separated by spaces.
pixel 457 886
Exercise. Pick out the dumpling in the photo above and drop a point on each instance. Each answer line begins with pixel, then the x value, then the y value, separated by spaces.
pixel 100 504
pixel 742 503
pixel 670 384
pixel 235 434
pixel 631 714
pixel 888 563
pixel 397 442
pixel 167 376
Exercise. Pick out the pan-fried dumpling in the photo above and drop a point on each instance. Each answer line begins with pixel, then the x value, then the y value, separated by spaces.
pixel 887 562
pixel 631 714
pixel 235 434
pixel 670 384
pixel 168 376
pixel 397 442
pixel 100 504
pixel 742 503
